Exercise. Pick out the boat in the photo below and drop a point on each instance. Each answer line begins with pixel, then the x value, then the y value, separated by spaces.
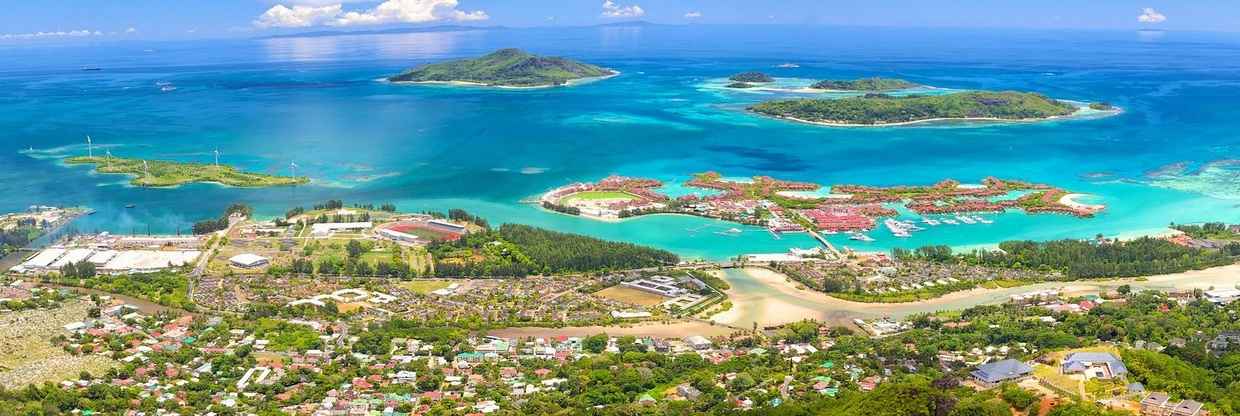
pixel 91 68
pixel 788 65
pixel 949 221
pixel 860 237
pixel 130 205
pixel 983 220
pixel 965 219
pixel 930 222
pixel 168 88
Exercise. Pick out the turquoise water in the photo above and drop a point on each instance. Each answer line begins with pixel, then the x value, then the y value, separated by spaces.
pixel 317 101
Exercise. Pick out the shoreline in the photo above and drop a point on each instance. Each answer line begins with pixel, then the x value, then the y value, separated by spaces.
pixel 569 83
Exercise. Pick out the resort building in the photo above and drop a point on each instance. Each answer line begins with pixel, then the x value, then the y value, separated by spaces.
pixel 659 285
pixel 998 372
pixel 329 228
pixel 1159 404
pixel 1100 365
pixel 248 261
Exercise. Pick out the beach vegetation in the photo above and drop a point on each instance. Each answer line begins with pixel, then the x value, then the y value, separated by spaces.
pixel 751 77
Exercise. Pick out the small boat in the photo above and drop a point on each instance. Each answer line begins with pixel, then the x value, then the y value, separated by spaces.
pixel 982 220
pixel 930 222
pixel 950 222
pixel 130 205
pixel 830 232
pixel 965 219
pixel 167 88
pixel 789 65
pixel 91 68
pixel 734 231
pixel 860 237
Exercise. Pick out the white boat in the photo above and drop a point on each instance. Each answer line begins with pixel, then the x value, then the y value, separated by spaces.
pixel 930 222
pixel 860 237
pixel 950 221
pixel 982 220
pixel 965 219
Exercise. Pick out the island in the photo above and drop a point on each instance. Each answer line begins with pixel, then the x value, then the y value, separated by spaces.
pixel 162 173
pixel 882 109
pixel 752 76
pixel 1102 106
pixel 790 206
pixel 864 84
pixel 510 68
pixel 740 85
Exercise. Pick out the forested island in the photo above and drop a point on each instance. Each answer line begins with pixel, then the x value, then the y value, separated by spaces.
pixel 159 173
pixel 505 68
pixel 864 84
pixel 751 77
pixel 882 109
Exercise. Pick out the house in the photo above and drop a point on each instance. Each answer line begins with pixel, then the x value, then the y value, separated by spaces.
pixel 688 392
pixel 248 261
pixel 1159 404
pixel 1101 365
pixel 698 342
pixel 995 373
pixel 1224 341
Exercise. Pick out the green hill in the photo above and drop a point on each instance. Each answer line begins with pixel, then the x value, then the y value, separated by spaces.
pixel 505 67
pixel 879 109
pixel 864 84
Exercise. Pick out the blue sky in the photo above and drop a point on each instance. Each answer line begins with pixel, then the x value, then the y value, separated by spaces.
pixel 178 19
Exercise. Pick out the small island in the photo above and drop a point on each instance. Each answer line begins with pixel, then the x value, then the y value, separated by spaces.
pixel 508 68
pixel 740 85
pixel 882 109
pixel 161 173
pixel 1102 106
pixel 752 76
pixel 872 84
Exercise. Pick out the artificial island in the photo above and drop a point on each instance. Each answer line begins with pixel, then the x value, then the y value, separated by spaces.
pixel 162 173
pixel 507 68
pixel 787 206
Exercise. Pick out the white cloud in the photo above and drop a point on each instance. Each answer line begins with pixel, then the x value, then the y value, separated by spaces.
pixel 297 16
pixel 611 9
pixel 1149 15
pixel 390 11
pixel 47 35
pixel 693 15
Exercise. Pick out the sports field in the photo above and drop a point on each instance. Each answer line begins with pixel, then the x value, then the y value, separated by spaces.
pixel 631 296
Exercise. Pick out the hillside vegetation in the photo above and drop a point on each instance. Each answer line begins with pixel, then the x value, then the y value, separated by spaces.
pixel 505 67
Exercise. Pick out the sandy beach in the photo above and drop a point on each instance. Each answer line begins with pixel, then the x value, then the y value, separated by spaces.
pixel 1070 201
pixel 770 298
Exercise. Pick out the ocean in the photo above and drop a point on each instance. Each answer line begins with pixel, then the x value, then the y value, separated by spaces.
pixel 319 102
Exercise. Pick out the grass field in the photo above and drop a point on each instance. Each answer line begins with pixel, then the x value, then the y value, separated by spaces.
pixel 424 286
pixel 631 295
pixel 598 196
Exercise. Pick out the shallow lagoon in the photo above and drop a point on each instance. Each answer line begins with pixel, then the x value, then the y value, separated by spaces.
pixel 315 101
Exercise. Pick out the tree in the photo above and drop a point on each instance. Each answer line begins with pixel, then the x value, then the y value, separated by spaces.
pixel 595 343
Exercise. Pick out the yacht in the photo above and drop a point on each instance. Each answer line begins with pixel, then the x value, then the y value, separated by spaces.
pixel 860 237
pixel 965 219
pixel 929 221
pixel 982 220
pixel 950 221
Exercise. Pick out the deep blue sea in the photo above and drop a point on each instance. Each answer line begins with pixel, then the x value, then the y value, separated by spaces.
pixel 265 103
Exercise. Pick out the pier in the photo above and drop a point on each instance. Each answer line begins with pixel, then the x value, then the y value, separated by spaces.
pixel 824 242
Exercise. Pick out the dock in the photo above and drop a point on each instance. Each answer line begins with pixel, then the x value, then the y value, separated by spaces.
pixel 824 242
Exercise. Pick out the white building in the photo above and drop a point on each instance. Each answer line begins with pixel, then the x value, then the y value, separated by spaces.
pixel 659 285
pixel 1222 296
pixel 329 228
pixel 248 261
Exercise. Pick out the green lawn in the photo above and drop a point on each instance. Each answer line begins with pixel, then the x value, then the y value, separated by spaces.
pixel 424 286
pixel 598 195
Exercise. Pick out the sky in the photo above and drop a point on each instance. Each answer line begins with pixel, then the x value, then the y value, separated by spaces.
pixel 34 21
